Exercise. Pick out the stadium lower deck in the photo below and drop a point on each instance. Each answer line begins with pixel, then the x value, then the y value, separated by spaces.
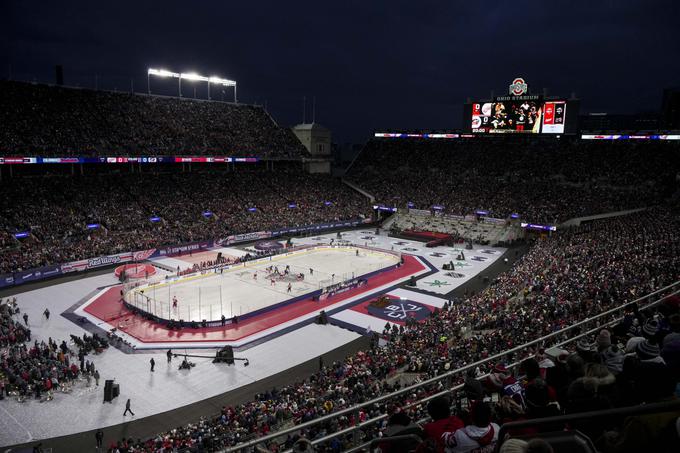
pixel 273 343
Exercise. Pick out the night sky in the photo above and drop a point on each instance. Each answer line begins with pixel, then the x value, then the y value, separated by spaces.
pixel 371 65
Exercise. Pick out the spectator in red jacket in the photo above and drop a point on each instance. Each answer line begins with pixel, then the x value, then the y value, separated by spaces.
pixel 442 421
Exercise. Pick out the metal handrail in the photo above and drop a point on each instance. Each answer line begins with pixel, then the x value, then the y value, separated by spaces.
pixel 392 439
pixel 409 389
pixel 666 406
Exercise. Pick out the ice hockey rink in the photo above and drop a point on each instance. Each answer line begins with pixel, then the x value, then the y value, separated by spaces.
pixel 254 286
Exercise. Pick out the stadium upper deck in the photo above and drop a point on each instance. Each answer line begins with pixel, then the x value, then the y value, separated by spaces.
pixel 52 120
pixel 544 181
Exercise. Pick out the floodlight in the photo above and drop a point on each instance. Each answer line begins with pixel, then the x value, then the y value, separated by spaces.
pixel 189 76
pixel 162 73
pixel 221 81
pixel 193 76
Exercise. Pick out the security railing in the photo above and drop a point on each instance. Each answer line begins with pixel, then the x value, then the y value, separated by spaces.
pixel 449 379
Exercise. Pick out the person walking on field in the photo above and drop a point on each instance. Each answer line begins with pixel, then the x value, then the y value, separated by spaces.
pixel 127 408
pixel 169 353
pixel 153 363
pixel 47 314
pixel 25 318
pixel 96 377
pixel 99 435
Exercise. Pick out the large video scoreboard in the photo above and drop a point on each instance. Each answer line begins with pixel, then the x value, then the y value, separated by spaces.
pixel 520 113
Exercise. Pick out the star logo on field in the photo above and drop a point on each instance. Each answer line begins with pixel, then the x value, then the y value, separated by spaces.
pixel 438 283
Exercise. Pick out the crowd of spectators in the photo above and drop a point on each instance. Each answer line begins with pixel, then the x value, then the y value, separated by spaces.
pixel 57 210
pixel 565 278
pixel 11 331
pixel 48 120
pixel 544 181
pixel 637 362
pixel 41 368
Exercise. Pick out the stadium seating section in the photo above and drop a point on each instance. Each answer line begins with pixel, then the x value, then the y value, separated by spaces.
pixel 48 120
pixel 544 181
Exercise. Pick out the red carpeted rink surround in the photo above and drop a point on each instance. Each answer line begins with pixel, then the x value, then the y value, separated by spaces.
pixel 108 308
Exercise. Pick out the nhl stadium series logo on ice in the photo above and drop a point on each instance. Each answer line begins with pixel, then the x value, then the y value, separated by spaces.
pixel 400 310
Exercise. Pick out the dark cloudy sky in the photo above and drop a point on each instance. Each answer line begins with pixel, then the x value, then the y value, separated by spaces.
pixel 370 64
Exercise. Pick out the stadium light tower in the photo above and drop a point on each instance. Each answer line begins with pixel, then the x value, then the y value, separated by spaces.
pixel 191 76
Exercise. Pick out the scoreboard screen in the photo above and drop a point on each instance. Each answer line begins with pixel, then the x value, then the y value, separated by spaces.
pixel 535 116
pixel 521 116
pixel 554 116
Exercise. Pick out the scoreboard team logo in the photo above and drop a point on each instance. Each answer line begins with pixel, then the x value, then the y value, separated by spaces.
pixel 518 87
